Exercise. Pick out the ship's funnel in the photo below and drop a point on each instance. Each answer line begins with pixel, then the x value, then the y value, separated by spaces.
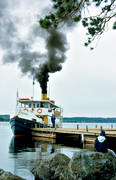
pixel 44 96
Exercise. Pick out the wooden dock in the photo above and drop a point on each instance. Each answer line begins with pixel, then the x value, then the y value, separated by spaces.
pixel 82 135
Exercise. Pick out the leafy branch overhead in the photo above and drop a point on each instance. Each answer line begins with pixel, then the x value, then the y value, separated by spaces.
pixel 93 14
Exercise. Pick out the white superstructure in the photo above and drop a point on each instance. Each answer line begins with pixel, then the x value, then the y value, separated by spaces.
pixel 39 111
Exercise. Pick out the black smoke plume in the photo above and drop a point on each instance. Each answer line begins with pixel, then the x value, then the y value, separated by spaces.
pixel 56 45
pixel 20 50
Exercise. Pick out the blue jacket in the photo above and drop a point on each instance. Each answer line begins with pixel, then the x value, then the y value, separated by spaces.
pixel 101 144
pixel 53 118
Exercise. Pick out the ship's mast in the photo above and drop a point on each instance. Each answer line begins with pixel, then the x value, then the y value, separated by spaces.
pixel 17 98
pixel 33 86
pixel 49 91
pixel 33 89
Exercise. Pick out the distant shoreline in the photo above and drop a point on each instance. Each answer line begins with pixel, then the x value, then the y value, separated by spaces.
pixel 5 118
pixel 89 120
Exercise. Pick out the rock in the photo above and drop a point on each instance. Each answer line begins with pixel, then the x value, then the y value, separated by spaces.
pixel 51 167
pixel 8 176
pixel 92 166
pixel 84 165
pixel 114 178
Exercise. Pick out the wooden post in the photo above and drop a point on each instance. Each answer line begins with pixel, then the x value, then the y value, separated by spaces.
pixel 82 138
pixel 87 128
pixel 96 126
pixel 101 128
pixel 111 125
pixel 77 126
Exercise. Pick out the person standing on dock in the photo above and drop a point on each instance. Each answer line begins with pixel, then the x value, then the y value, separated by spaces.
pixel 53 120
pixel 101 144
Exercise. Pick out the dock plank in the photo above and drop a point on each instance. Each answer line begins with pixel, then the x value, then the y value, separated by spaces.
pixel 111 132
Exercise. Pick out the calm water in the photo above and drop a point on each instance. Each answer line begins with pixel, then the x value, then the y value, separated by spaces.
pixel 19 155
pixel 90 125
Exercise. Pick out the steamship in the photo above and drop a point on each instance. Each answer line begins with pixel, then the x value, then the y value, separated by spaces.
pixel 34 114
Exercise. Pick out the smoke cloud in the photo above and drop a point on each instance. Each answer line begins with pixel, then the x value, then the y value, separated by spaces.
pixel 20 50
pixel 56 45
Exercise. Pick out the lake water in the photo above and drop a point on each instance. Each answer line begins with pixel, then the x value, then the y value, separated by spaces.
pixel 90 125
pixel 20 154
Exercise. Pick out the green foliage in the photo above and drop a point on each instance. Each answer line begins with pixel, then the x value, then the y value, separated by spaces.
pixel 77 18
pixel 114 25
pixel 94 26
pixel 60 11
pixel 55 6
pixel 91 48
pixel 52 17
pixel 45 23
pixel 85 22
pixel 86 44
pixel 106 8
pixel 68 8
pixel 75 10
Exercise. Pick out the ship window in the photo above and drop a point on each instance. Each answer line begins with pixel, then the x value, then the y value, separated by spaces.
pixel 22 105
pixel 38 105
pixel 51 106
pixel 46 105
pixel 29 105
pixel 42 105
pixel 34 105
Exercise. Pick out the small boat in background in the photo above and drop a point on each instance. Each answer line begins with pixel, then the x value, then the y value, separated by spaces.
pixel 35 114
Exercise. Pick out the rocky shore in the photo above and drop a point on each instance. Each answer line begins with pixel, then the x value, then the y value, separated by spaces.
pixel 84 165
pixel 8 176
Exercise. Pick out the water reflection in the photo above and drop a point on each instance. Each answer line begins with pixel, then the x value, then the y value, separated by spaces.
pixel 46 146
pixel 26 151
pixel 20 144
pixel 31 144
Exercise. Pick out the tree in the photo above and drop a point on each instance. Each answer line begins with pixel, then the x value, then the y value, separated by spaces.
pixel 82 11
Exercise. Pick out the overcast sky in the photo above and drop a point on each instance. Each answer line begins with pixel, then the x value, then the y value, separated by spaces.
pixel 86 85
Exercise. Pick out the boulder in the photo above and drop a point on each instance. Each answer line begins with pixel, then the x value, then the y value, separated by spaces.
pixel 8 176
pixel 113 178
pixel 86 165
pixel 51 167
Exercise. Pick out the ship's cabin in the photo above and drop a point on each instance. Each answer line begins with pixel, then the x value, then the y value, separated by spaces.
pixel 46 106
pixel 37 104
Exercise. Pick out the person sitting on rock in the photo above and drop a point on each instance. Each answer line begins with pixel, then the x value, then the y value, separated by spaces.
pixel 101 144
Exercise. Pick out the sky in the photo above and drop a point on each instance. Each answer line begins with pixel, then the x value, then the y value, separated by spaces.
pixel 86 85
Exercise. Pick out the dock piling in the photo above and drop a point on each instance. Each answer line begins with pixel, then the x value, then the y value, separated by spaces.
pixel 101 128
pixel 87 128
pixel 82 138
pixel 111 125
